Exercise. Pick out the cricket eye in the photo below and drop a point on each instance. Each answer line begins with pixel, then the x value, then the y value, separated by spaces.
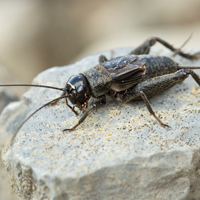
pixel 73 92
pixel 81 90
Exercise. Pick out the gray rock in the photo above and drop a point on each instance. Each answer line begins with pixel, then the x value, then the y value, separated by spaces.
pixel 119 152
pixel 5 191
pixel 6 97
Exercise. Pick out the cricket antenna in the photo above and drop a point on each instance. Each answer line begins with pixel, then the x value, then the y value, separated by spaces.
pixel 32 85
pixel 179 49
pixel 49 103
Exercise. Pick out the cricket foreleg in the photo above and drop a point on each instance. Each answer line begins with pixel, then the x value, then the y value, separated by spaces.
pixel 72 108
pixel 96 105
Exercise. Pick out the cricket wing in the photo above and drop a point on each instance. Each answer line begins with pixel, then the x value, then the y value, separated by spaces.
pixel 126 71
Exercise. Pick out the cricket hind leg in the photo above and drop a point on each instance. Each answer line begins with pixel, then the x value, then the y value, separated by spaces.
pixel 185 73
pixel 193 74
pixel 152 87
pixel 145 47
pixel 102 59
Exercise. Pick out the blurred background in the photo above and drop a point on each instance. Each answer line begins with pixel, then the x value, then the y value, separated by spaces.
pixel 36 35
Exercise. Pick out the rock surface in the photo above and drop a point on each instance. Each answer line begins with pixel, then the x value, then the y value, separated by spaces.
pixel 119 152
pixel 5 191
pixel 6 97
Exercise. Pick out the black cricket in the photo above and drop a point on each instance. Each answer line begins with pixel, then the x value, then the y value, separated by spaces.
pixel 132 77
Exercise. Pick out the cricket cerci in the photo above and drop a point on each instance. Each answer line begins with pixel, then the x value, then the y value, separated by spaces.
pixel 125 78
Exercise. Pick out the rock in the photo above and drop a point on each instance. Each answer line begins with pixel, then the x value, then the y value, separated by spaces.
pixel 5 191
pixel 119 152
pixel 6 97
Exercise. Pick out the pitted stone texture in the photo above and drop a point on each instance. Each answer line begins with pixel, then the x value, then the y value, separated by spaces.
pixel 119 152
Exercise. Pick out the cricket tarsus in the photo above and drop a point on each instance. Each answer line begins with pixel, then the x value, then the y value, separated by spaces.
pixel 146 101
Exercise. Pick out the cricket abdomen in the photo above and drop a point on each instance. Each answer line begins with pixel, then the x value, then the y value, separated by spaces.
pixel 158 66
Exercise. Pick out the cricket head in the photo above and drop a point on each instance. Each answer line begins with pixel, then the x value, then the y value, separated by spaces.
pixel 78 90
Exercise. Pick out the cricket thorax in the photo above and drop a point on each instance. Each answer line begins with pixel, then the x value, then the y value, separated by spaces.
pixel 99 79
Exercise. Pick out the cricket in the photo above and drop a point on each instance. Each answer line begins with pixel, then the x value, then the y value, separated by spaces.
pixel 136 76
